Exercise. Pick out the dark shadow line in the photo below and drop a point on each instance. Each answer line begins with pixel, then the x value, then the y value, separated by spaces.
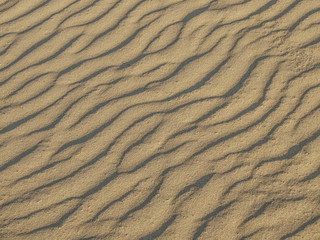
pixel 92 75
pixel 29 50
pixel 41 170
pixel 182 132
pixel 210 113
pixel 233 134
pixel 126 41
pixel 16 124
pixel 157 233
pixel 257 213
pixel 189 103
pixel 100 16
pixel 100 105
pixel 19 157
pixel 38 95
pixel 157 10
pixel 56 224
pixel 316 66
pixel 183 64
pixel 312 175
pixel 153 69
pixel 95 159
pixel 100 185
pixel 301 227
pixel 232 169
pixel 114 27
pixel 281 14
pixel 91 134
pixel 60 117
pixel 200 183
pixel 79 11
pixel 314 42
pixel 194 14
pixel 42 209
pixel 257 12
pixel 61 50
pixel 25 14
pixel 202 82
pixel 138 142
pixel 232 186
pixel 238 86
pixel 274 128
pixel 88 238
pixel 147 200
pixel 131 62
pixel 46 19
pixel 14 74
pixel 301 19
pixel 261 9
pixel 4 51
pixel 149 159
pixel 250 235
pixel 254 105
pixel 293 151
pixel 26 83
pixel 120 199
pixel 209 217
pixel 6 9
pixel 70 68
pixel 307 115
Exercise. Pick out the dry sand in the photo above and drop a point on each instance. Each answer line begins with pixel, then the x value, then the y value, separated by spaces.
pixel 159 119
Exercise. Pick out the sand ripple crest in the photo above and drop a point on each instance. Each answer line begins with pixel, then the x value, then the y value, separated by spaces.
pixel 149 119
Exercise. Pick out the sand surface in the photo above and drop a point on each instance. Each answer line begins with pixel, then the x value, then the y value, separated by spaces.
pixel 159 119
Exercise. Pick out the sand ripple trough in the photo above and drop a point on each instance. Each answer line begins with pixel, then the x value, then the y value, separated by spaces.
pixel 149 119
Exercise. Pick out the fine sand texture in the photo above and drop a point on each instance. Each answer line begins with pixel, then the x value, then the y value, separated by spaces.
pixel 159 119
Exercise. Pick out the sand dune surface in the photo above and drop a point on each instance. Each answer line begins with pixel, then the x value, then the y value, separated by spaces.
pixel 159 119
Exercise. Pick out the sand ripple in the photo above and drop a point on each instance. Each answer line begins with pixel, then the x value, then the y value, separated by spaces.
pixel 149 119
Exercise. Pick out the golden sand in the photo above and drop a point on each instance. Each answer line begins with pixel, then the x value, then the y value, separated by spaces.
pixel 159 119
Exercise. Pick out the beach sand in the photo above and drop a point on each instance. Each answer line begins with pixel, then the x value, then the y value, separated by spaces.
pixel 159 119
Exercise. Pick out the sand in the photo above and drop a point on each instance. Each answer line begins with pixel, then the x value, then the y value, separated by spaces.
pixel 159 119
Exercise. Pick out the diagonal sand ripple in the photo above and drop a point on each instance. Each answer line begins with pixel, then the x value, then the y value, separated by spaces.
pixel 149 119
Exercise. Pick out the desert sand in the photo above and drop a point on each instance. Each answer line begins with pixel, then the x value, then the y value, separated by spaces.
pixel 159 119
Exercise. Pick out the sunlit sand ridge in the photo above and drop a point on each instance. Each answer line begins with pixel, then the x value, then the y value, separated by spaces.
pixel 159 119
